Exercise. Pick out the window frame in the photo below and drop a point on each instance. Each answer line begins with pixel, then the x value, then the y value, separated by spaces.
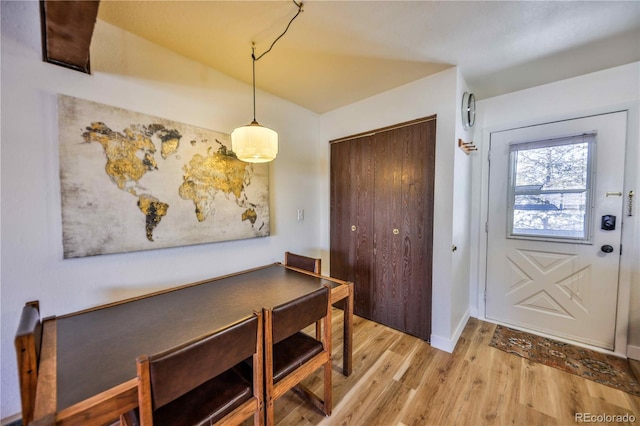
pixel 590 138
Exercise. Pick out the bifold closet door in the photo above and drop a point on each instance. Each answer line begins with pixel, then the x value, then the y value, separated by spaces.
pixel 390 290
pixel 417 202
pixel 351 254
pixel 382 222
pixel 403 227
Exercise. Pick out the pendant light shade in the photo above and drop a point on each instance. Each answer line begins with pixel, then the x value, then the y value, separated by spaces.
pixel 254 143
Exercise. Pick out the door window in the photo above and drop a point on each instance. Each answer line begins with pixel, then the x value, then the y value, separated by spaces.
pixel 550 194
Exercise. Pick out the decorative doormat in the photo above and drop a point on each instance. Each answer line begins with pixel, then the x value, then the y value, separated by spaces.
pixel 600 368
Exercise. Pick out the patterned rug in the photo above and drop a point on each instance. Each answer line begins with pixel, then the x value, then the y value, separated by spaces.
pixel 601 368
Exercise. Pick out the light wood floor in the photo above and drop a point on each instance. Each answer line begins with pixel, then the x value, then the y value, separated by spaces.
pixel 401 380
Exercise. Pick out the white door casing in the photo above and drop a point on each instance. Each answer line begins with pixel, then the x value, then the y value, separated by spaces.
pixel 562 288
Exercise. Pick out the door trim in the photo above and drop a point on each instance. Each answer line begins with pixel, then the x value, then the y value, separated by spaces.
pixel 479 273
pixel 385 129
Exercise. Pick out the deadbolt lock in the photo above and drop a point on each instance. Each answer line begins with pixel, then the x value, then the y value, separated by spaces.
pixel 353 227
pixel 396 231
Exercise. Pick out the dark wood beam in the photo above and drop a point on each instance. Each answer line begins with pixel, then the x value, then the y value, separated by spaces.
pixel 67 28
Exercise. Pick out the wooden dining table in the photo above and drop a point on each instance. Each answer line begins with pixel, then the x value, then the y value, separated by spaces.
pixel 87 370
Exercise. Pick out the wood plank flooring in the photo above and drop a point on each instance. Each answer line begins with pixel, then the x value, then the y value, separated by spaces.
pixel 400 380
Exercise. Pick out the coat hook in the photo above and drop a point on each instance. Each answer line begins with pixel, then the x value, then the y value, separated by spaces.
pixel 467 147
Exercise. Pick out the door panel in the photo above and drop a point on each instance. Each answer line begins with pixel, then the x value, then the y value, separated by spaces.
pixel 405 160
pixel 362 219
pixel 558 286
pixel 417 229
pixel 341 188
pixel 388 301
pixel 351 254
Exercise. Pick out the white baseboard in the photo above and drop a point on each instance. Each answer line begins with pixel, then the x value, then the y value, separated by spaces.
pixel 441 343
pixel 449 344
pixel 633 352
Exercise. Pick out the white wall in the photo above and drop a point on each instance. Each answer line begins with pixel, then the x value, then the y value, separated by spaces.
pixel 461 219
pixel 131 73
pixel 605 91
pixel 437 94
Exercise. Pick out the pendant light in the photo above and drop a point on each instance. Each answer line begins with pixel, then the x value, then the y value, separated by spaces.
pixel 254 143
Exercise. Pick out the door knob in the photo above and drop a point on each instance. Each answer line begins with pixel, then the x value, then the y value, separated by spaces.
pixel 606 248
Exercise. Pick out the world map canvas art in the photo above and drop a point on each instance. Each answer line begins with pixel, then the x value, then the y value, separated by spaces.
pixel 130 181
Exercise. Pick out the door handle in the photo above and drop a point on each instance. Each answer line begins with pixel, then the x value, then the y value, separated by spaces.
pixel 606 248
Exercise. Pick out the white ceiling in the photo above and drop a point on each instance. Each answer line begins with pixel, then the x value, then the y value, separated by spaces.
pixel 338 52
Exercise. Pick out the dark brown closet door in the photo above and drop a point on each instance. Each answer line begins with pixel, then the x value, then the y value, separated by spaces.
pixel 389 294
pixel 418 170
pixel 405 160
pixel 341 187
pixel 382 223
pixel 351 218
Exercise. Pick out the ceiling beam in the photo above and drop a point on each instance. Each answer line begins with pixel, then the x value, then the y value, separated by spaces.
pixel 67 28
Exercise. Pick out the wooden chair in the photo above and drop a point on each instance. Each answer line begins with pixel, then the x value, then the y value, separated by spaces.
pixel 291 355
pixel 198 382
pixel 310 264
pixel 27 342
pixel 306 263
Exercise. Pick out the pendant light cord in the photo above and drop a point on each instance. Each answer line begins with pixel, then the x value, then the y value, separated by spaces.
pixel 299 6
pixel 254 58
pixel 253 62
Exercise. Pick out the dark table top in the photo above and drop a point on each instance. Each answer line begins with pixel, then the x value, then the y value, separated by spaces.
pixel 97 349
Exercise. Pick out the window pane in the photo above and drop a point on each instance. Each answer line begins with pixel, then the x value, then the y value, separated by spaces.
pixel 550 194
pixel 553 167
pixel 558 214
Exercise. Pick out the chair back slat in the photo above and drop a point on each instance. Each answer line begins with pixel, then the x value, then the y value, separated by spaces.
pixel 303 262
pixel 180 370
pixel 293 316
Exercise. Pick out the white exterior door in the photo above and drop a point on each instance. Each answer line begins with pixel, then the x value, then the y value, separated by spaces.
pixel 553 254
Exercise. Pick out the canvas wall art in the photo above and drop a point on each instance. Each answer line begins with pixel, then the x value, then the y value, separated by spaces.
pixel 130 181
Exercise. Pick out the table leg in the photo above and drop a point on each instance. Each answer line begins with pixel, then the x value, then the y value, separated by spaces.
pixel 347 346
